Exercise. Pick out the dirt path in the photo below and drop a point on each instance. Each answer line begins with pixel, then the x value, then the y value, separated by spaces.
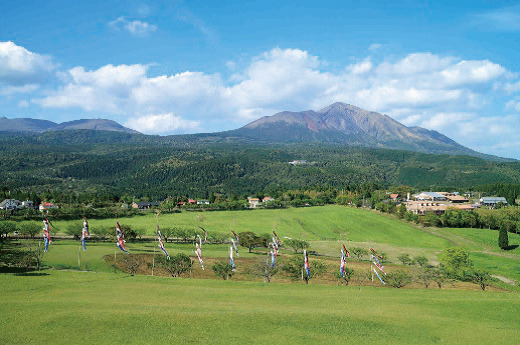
pixel 505 280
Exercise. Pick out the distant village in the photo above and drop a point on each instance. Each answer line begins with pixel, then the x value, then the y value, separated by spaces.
pixel 420 204
pixel 439 202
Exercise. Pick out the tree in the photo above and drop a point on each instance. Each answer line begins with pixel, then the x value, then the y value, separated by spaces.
pixel 7 227
pixel 75 230
pixel 425 275
pixel 167 233
pixel 223 269
pixel 438 276
pixel 421 261
pixel 294 267
pixel 249 240
pixel 359 252
pixel 405 259
pixel 481 278
pixel 296 244
pixel 32 257
pixel 401 210
pixel 131 262
pixel 176 265
pixel 264 269
pixel 104 232
pixel 503 239
pixel 455 263
pixel 30 229
pixel 398 279
pixel 345 279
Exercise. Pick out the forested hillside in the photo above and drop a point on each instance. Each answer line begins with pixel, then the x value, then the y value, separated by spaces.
pixel 196 165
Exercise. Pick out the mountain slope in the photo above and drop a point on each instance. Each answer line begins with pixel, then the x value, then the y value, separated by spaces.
pixel 27 125
pixel 347 124
pixel 94 124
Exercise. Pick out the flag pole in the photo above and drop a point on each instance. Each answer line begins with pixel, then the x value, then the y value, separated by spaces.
pixel 153 259
pixel 115 259
pixel 79 257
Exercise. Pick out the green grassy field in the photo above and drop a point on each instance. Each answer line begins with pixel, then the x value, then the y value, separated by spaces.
pixel 309 223
pixel 327 226
pixel 62 305
pixel 65 307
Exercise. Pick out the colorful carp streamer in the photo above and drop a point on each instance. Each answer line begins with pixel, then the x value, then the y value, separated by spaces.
pixel 347 253
pixel 85 226
pixel 275 249
pixel 343 262
pixel 379 276
pixel 273 259
pixel 199 256
pixel 121 238
pixel 236 237
pixel 231 261
pixel 205 234
pixel 161 244
pixel 235 246
pixel 277 239
pixel 375 253
pixel 46 235
pixel 84 235
pixel 306 263
pixel 200 240
pixel 377 263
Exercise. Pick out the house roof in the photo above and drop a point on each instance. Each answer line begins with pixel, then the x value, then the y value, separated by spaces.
pixel 433 194
pixel 496 199
pixel 456 198
pixel 151 203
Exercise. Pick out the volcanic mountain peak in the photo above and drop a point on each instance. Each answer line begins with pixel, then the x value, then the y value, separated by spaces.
pixel 347 124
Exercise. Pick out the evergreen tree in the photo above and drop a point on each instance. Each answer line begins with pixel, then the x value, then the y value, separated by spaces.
pixel 503 239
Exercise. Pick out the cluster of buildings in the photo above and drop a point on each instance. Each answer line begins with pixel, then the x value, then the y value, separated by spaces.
pixel 439 202
pixel 13 204
pixel 257 202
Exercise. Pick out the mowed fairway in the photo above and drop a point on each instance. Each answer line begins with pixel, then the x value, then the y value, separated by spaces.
pixel 66 307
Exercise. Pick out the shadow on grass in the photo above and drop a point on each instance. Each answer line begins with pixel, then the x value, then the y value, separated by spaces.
pixel 511 247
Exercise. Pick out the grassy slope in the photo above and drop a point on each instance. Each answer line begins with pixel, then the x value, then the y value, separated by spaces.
pixel 326 226
pixel 310 223
pixel 97 308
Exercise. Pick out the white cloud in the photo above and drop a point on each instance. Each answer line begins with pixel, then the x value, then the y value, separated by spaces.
pixel 360 68
pixel 161 124
pixel 19 66
pixel 135 27
pixel 500 19
pixel 438 92
pixel 513 105
pixel 375 46
pixel 10 90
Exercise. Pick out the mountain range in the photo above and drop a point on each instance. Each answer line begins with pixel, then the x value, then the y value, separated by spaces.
pixel 28 125
pixel 340 124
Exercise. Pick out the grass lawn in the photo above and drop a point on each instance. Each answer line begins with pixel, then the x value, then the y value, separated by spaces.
pixel 66 307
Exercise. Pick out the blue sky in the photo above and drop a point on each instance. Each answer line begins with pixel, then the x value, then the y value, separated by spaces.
pixel 202 66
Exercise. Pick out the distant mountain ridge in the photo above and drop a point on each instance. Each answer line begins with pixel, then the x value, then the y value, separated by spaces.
pixel 338 124
pixel 28 125
pixel 347 124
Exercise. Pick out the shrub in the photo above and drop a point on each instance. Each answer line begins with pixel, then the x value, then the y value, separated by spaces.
pixel 223 269
pixel 398 279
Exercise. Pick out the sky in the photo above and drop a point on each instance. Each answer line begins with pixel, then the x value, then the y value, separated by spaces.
pixel 173 67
